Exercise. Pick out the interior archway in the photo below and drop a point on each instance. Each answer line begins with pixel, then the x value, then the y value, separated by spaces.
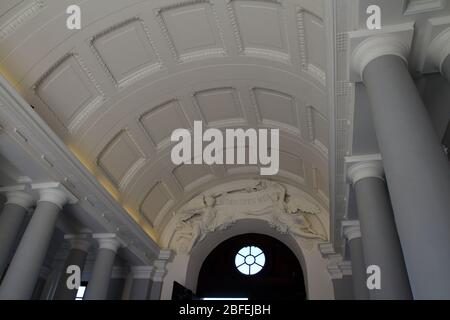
pixel 277 273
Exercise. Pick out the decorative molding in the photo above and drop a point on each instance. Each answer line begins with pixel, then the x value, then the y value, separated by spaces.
pixel 303 46
pixel 26 14
pixel 285 212
pixel 120 84
pixel 365 46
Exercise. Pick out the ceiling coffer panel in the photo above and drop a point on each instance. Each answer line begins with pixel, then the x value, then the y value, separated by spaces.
pixel 220 106
pixel 259 28
pixel 161 121
pixel 157 199
pixel 277 109
pixel 121 159
pixel 202 39
pixel 138 70
pixel 69 92
pixel 318 129
pixel 312 41
pixel 125 51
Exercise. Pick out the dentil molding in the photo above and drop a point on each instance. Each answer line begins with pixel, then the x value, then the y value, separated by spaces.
pixel 367 45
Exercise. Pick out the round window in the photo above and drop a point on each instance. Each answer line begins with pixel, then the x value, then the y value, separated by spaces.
pixel 250 260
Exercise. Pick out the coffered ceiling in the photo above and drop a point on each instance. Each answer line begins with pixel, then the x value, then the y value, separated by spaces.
pixel 137 70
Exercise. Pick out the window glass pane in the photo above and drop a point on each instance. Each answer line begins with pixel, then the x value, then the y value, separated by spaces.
pixel 250 260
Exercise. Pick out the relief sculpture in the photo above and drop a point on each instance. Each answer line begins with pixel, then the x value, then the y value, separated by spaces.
pixel 209 212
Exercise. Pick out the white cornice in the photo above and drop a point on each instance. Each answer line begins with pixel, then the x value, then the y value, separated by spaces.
pixel 34 139
pixel 367 45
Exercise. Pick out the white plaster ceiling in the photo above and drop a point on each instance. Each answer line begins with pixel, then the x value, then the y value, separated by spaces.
pixel 115 90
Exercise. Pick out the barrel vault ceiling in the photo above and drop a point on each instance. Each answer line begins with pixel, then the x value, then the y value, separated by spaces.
pixel 116 89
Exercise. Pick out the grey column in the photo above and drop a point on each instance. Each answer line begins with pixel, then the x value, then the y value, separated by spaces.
pixel 379 234
pixel 352 233
pixel 23 272
pixel 445 68
pixel 11 220
pixel 97 288
pixel 79 247
pixel 417 172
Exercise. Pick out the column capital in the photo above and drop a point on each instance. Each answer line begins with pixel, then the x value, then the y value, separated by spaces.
pixel 108 241
pixel 79 241
pixel 367 45
pixel 364 170
pixel 436 45
pixel 439 49
pixel 54 192
pixel 351 229
pixel 20 198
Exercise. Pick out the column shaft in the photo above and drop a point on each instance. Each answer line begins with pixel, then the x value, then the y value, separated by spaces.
pixel 98 285
pixel 24 269
pixel 76 257
pixel 360 290
pixel 380 239
pixel 11 220
pixel 418 174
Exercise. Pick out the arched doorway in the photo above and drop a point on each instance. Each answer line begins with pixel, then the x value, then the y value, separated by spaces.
pixel 252 266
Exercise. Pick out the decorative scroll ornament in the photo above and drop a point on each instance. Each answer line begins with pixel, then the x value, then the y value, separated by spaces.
pixel 287 213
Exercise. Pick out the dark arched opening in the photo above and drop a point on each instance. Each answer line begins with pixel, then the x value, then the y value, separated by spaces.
pixel 280 278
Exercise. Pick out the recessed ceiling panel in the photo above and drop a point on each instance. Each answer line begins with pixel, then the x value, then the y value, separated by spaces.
pixel 160 122
pixel 277 109
pixel 260 28
pixel 292 164
pixel 126 52
pixel 187 175
pixel 219 106
pixel 68 92
pixel 121 159
pixel 319 129
pixel 320 185
pixel 157 198
pixel 312 42
pixel 203 36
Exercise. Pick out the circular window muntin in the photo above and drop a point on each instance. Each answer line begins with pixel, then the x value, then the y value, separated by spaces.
pixel 250 260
